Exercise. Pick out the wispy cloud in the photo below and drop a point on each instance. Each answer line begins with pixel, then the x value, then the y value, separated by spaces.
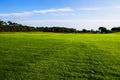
pixel 53 10
pixel 59 10
pixel 90 9
pixel 98 8
pixel 15 14
pixel 36 11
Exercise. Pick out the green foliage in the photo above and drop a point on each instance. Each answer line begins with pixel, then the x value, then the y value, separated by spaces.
pixel 53 56
pixel 15 27
pixel 115 29
pixel 103 30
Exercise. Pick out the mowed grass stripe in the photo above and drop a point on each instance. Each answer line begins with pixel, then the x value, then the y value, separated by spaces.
pixel 53 56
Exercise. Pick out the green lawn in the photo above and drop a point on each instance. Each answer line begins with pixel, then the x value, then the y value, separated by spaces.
pixel 54 56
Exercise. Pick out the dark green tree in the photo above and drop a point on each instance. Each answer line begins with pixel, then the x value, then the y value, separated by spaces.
pixel 2 23
pixel 115 29
pixel 103 30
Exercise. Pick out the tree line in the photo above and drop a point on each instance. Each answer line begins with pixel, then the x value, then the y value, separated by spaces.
pixel 15 27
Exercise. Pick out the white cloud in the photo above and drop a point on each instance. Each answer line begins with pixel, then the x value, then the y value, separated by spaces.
pixel 98 8
pixel 60 10
pixel 36 11
pixel 53 10
pixel 15 14
pixel 90 9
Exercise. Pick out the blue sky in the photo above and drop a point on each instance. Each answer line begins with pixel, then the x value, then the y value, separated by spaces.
pixel 79 14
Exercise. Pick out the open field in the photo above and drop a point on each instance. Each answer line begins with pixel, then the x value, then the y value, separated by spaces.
pixel 54 56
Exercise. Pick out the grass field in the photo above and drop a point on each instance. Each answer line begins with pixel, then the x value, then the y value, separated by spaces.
pixel 54 56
